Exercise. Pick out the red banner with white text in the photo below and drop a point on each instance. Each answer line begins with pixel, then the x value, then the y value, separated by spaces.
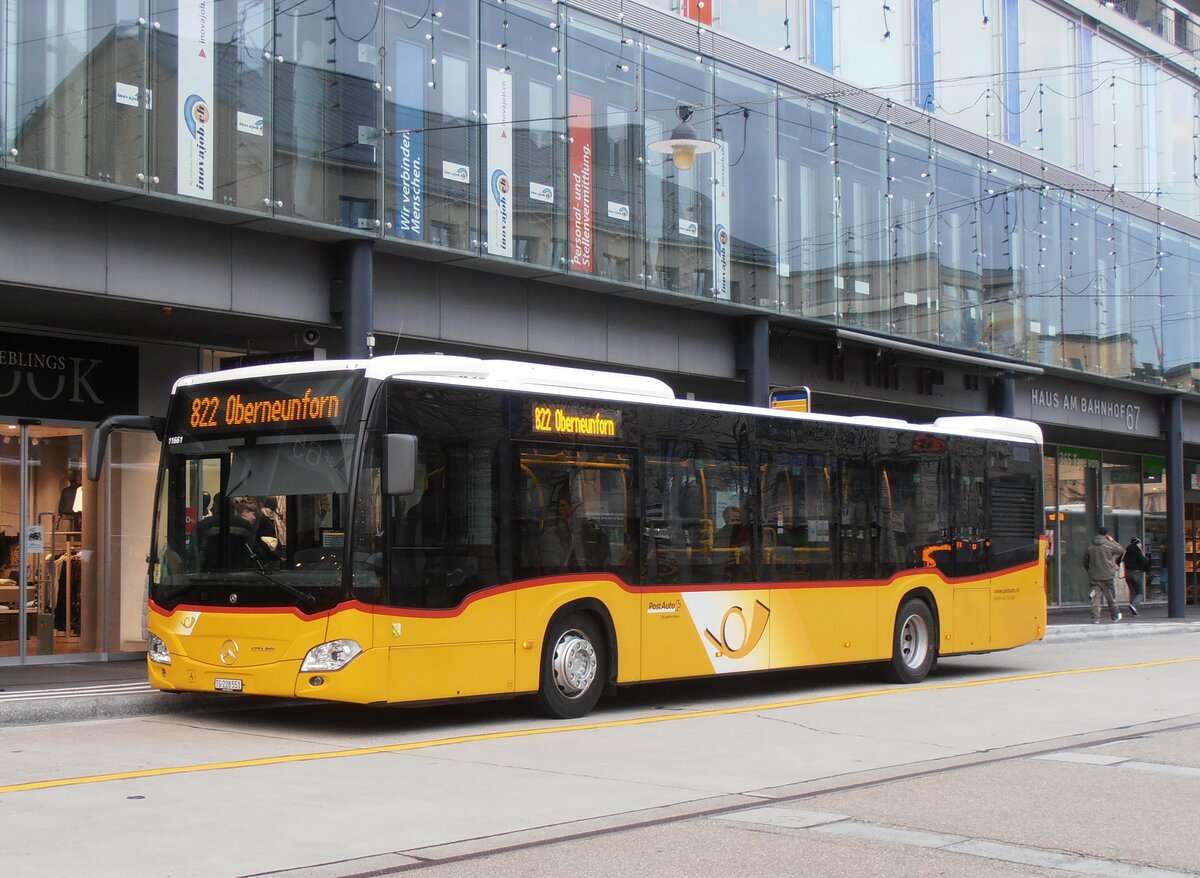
pixel 582 220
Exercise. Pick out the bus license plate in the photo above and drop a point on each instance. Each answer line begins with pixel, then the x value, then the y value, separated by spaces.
pixel 222 684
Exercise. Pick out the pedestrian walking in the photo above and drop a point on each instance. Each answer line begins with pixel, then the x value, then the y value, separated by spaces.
pixel 1136 565
pixel 1101 560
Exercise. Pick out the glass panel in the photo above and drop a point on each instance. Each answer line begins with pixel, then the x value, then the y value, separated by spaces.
pixel 1087 288
pixel 679 209
pixel 443 537
pixel 1154 511
pixel 577 512
pixel 328 112
pixel 1123 504
pixel 525 133
pixel 1141 307
pixel 77 101
pixel 856 496
pixel 914 273
pixel 1050 493
pixel 603 151
pixel 745 254
pixel 132 473
pixel 1079 511
pixel 1180 330
pixel 797 503
pixel 220 91
pixel 806 209
pixel 958 204
pixel 431 161
pixel 1041 221
pixel 1048 118
pixel 697 499
pixel 861 279
pixel 1003 297
pixel 913 512
pixel 59 607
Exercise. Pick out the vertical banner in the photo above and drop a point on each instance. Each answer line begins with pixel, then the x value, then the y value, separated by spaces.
pixel 721 221
pixel 195 126
pixel 499 162
pixel 410 140
pixel 583 224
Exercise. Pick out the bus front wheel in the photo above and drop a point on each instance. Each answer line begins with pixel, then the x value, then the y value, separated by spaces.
pixel 573 664
pixel 914 649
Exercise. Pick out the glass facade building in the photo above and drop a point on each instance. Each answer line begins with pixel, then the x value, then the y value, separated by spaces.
pixel 395 121
pixel 1011 179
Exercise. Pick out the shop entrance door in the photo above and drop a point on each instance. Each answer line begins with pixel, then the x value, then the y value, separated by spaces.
pixel 47 596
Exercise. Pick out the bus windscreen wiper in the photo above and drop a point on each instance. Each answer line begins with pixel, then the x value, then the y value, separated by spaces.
pixel 302 596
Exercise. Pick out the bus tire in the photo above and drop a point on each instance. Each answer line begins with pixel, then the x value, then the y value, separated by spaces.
pixel 573 667
pixel 914 647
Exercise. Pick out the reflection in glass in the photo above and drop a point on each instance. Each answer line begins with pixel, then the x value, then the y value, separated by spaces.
pixel 76 101
pixel 806 209
pixel 999 258
pixel 222 152
pixel 1180 330
pixel 327 105
pixel 1041 227
pixel 861 279
pixel 744 123
pixel 524 182
pixel 679 203
pixel 958 204
pixel 912 221
pixel 603 148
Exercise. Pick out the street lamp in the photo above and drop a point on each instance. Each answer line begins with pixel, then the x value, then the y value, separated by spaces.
pixel 684 143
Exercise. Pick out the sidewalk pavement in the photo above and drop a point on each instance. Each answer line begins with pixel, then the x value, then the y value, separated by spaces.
pixel 69 692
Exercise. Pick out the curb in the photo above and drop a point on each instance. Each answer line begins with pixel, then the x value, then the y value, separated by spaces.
pixel 1115 631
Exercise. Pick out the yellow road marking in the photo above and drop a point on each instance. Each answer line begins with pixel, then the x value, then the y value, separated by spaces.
pixel 554 730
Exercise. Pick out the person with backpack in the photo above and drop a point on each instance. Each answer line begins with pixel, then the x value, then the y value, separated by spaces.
pixel 1136 565
pixel 1101 560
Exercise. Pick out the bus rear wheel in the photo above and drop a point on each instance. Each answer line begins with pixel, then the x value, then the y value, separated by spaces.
pixel 573 663
pixel 914 649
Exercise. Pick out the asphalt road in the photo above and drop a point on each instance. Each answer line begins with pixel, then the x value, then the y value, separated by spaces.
pixel 1060 757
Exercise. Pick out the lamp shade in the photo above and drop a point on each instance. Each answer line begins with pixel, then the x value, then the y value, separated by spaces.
pixel 684 144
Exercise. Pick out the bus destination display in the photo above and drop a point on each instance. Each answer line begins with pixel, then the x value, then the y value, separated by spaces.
pixel 561 420
pixel 299 404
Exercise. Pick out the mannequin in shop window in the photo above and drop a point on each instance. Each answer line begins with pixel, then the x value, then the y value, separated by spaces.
pixel 70 505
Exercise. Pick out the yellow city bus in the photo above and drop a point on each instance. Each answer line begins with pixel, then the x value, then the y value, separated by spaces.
pixel 421 528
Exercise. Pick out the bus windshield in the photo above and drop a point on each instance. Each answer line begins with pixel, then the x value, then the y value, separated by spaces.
pixel 254 493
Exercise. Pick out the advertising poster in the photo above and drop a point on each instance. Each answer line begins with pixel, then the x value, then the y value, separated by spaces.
pixel 499 163
pixel 582 216
pixel 196 132
pixel 410 141
pixel 721 221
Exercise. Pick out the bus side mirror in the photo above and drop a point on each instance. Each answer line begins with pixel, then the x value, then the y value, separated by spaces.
pixel 99 443
pixel 401 449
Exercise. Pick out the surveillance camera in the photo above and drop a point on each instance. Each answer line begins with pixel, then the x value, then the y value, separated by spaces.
pixel 311 336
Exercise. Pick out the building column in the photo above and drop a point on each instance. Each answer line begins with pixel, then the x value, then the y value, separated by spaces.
pixel 1176 577
pixel 1004 396
pixel 353 300
pixel 754 359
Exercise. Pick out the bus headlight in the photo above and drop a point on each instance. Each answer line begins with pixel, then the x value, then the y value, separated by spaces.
pixel 331 656
pixel 157 650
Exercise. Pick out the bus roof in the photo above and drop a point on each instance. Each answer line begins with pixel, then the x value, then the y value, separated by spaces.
pixel 592 384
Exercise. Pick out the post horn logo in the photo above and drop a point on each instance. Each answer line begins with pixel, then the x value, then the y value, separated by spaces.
pixel 752 632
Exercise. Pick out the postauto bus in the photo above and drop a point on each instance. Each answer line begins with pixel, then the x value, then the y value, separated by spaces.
pixel 421 528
